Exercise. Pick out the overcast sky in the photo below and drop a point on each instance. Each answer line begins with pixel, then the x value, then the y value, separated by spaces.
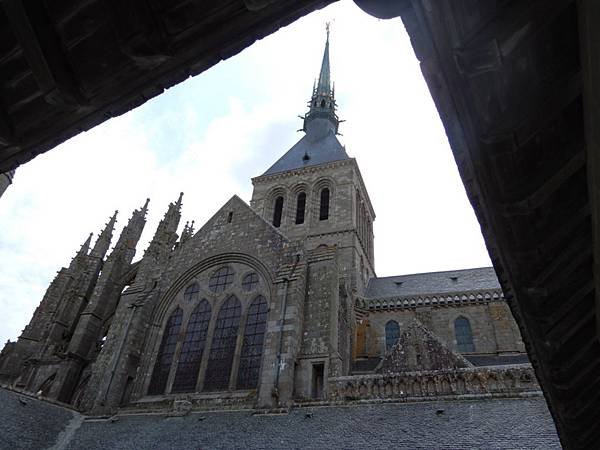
pixel 210 134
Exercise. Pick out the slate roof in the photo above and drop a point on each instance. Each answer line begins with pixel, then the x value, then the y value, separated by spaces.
pixel 489 424
pixel 483 278
pixel 30 424
pixel 497 360
pixel 523 423
pixel 319 143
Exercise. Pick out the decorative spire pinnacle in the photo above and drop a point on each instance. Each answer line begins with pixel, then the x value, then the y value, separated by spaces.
pixel 85 247
pixel 145 207
pixel 104 238
pixel 322 104
pixel 178 204
pixel 188 232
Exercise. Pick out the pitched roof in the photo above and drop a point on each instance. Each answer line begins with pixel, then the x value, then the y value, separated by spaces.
pixel 319 146
pixel 483 278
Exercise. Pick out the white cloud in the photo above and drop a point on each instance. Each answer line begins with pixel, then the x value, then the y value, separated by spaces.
pixel 208 136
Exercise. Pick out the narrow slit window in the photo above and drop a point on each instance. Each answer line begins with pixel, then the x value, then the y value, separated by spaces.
pixel 158 382
pixel 324 206
pixel 278 211
pixel 300 208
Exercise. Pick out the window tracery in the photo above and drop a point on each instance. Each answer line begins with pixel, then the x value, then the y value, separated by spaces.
pixel 252 347
pixel 223 345
pixel 164 359
pixel 192 349
pixel 221 279
pixel 191 293
pixel 250 282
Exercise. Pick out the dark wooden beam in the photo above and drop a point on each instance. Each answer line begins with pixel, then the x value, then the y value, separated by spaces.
pixel 42 52
pixel 589 32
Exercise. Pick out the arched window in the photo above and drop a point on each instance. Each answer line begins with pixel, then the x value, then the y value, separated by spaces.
pixel 253 344
pixel 221 279
pixel 392 334
pixel 300 207
pixel 278 211
pixel 464 335
pixel 250 282
pixel 164 359
pixel 222 349
pixel 191 293
pixel 322 103
pixel 192 349
pixel 324 206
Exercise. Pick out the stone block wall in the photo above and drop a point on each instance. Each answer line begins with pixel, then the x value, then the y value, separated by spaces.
pixel 494 329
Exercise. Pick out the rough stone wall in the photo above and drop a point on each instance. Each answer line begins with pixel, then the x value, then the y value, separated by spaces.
pixel 419 349
pixel 234 233
pixel 493 327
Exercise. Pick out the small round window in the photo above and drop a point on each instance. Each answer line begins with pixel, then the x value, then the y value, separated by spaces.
pixel 250 282
pixel 221 279
pixel 191 292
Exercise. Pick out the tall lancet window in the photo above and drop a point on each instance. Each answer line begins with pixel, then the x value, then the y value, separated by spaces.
pixel 222 349
pixel 192 349
pixel 253 344
pixel 158 382
pixel 278 211
pixel 324 206
pixel 300 208
pixel 392 334
pixel 464 335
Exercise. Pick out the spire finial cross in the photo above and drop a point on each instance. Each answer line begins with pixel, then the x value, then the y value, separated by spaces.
pixel 327 25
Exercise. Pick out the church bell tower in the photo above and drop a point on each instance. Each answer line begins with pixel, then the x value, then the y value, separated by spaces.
pixel 315 195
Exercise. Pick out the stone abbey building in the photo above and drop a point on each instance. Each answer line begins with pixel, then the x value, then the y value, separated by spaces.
pixel 266 306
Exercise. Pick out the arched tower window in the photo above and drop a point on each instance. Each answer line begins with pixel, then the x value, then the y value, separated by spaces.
pixel 300 208
pixel 278 211
pixel 253 344
pixel 192 349
pixel 464 335
pixel 392 334
pixel 322 103
pixel 158 382
pixel 222 349
pixel 324 205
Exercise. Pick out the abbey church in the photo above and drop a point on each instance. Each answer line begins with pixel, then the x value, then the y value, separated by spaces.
pixel 267 306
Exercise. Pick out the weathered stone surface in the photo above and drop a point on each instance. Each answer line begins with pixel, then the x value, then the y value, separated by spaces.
pixel 418 349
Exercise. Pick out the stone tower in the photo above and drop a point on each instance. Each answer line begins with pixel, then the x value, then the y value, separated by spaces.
pixel 315 195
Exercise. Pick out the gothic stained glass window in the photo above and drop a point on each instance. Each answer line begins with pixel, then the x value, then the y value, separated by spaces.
pixel 464 335
pixel 222 349
pixel 164 359
pixel 300 207
pixel 253 344
pixel 249 282
pixel 392 334
pixel 324 207
pixel 192 349
pixel 278 211
pixel 221 279
pixel 191 293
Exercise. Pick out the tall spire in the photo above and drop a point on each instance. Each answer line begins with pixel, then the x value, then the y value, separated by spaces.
pixel 322 104
pixel 104 238
pixel 324 76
